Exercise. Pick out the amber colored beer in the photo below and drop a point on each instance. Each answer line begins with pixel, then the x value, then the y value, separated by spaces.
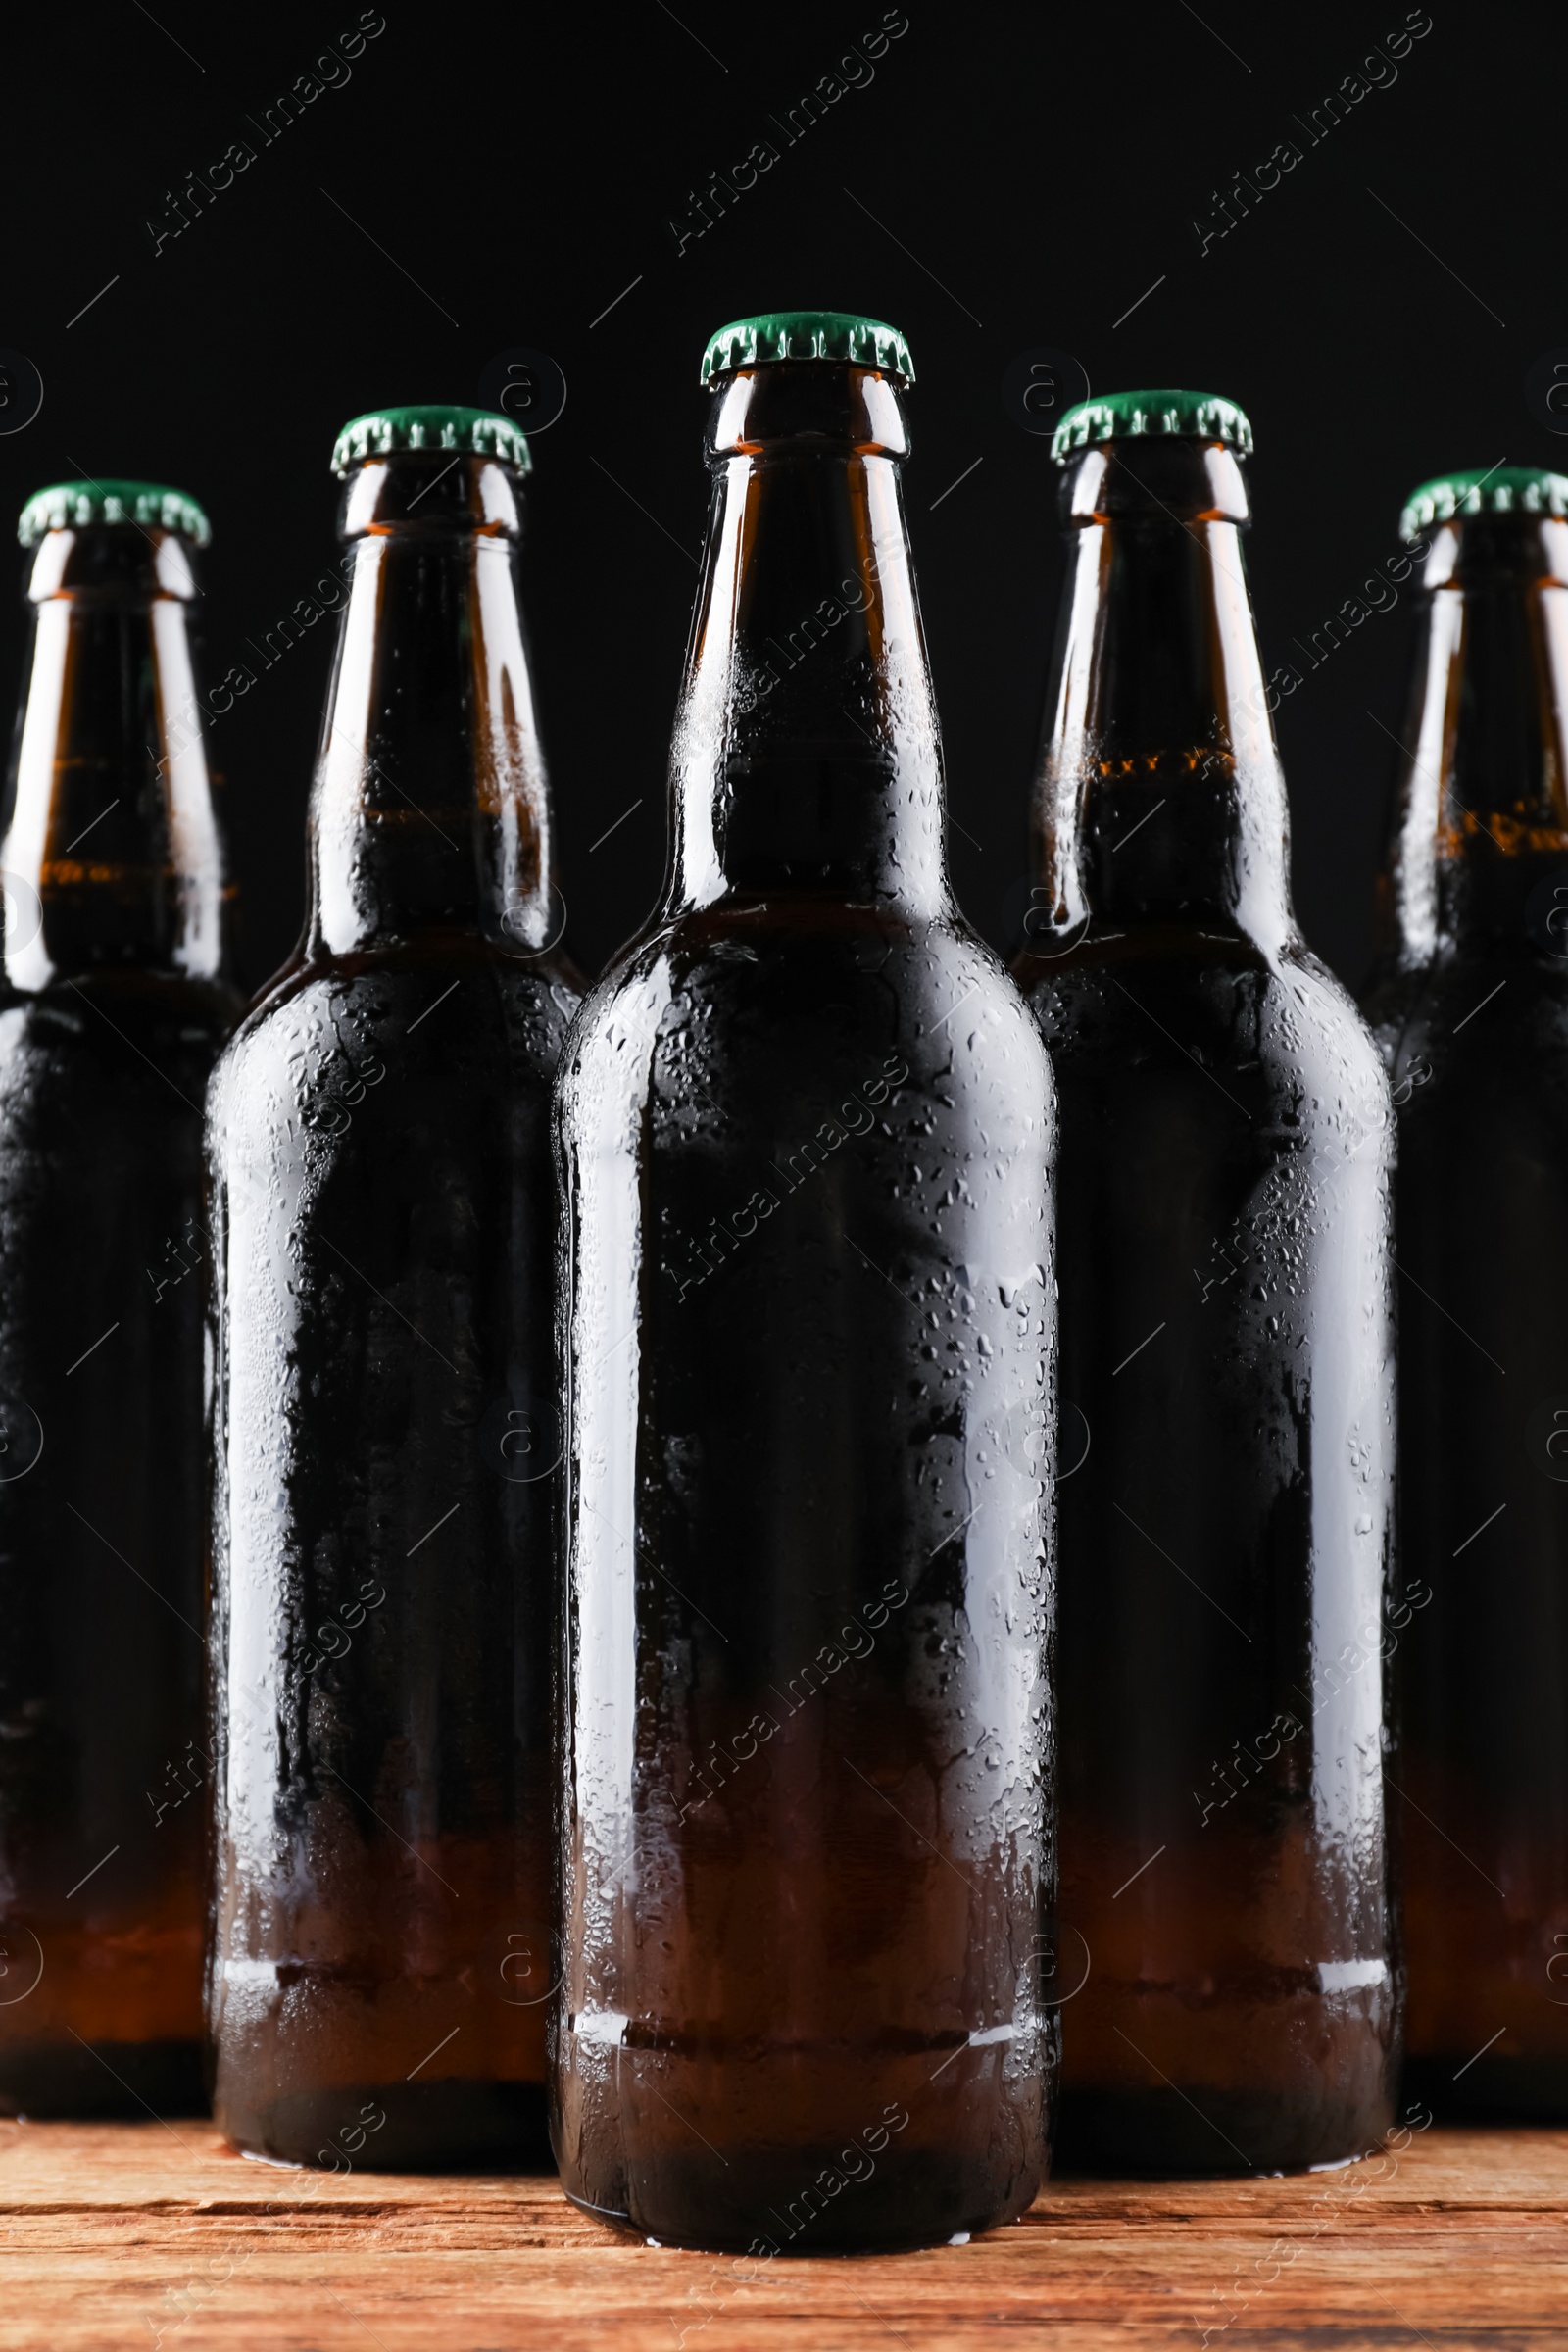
pixel 388 1449
pixel 114 1002
pixel 805 1128
pixel 1471 1007
pixel 1226 1359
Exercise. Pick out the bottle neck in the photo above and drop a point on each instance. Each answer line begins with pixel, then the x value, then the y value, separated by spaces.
pixel 1481 831
pixel 111 849
pixel 807 758
pixel 430 810
pixel 1159 797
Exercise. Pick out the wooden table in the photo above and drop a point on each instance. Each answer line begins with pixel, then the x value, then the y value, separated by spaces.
pixel 147 2235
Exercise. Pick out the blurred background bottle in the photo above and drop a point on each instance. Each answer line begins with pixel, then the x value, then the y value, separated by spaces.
pixel 805 1129
pixel 1226 1358
pixel 114 1004
pixel 1470 1005
pixel 388 1442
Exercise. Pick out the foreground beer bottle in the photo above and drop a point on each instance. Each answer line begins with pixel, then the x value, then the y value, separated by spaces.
pixel 1224 1209
pixel 115 1003
pixel 805 1129
pixel 1470 1006
pixel 387 1456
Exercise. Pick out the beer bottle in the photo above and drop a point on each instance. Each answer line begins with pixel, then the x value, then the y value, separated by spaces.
pixel 114 1004
pixel 388 1446
pixel 806 1133
pixel 1226 1364
pixel 1469 1006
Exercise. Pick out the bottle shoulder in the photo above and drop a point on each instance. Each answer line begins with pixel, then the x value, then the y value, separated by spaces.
pixel 143 990
pixel 752 1002
pixel 1182 965
pixel 463 1016
pixel 1484 1026
pixel 398 974
pixel 752 964
pixel 1269 1027
pixel 145 1033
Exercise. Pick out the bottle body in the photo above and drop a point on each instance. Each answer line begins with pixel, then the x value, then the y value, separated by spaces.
pixel 804 1135
pixel 1223 1563
pixel 1227 1381
pixel 114 1006
pixel 387 1481
pixel 383 1247
pixel 807 1885
pixel 1472 1012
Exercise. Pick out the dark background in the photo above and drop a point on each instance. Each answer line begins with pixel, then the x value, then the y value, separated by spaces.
pixel 1032 172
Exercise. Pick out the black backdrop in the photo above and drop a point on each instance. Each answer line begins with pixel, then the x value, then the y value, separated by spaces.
pixel 459 183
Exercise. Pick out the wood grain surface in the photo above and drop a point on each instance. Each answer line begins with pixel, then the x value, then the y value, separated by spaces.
pixel 155 2233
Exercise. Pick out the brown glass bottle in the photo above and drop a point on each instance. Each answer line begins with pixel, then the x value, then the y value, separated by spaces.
pixel 1226 1359
pixel 805 1129
pixel 388 1446
pixel 114 1005
pixel 1471 1007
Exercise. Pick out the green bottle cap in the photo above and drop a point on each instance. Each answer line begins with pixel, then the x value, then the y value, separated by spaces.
pixel 1131 416
pixel 474 433
pixel 807 335
pixel 149 506
pixel 1500 490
